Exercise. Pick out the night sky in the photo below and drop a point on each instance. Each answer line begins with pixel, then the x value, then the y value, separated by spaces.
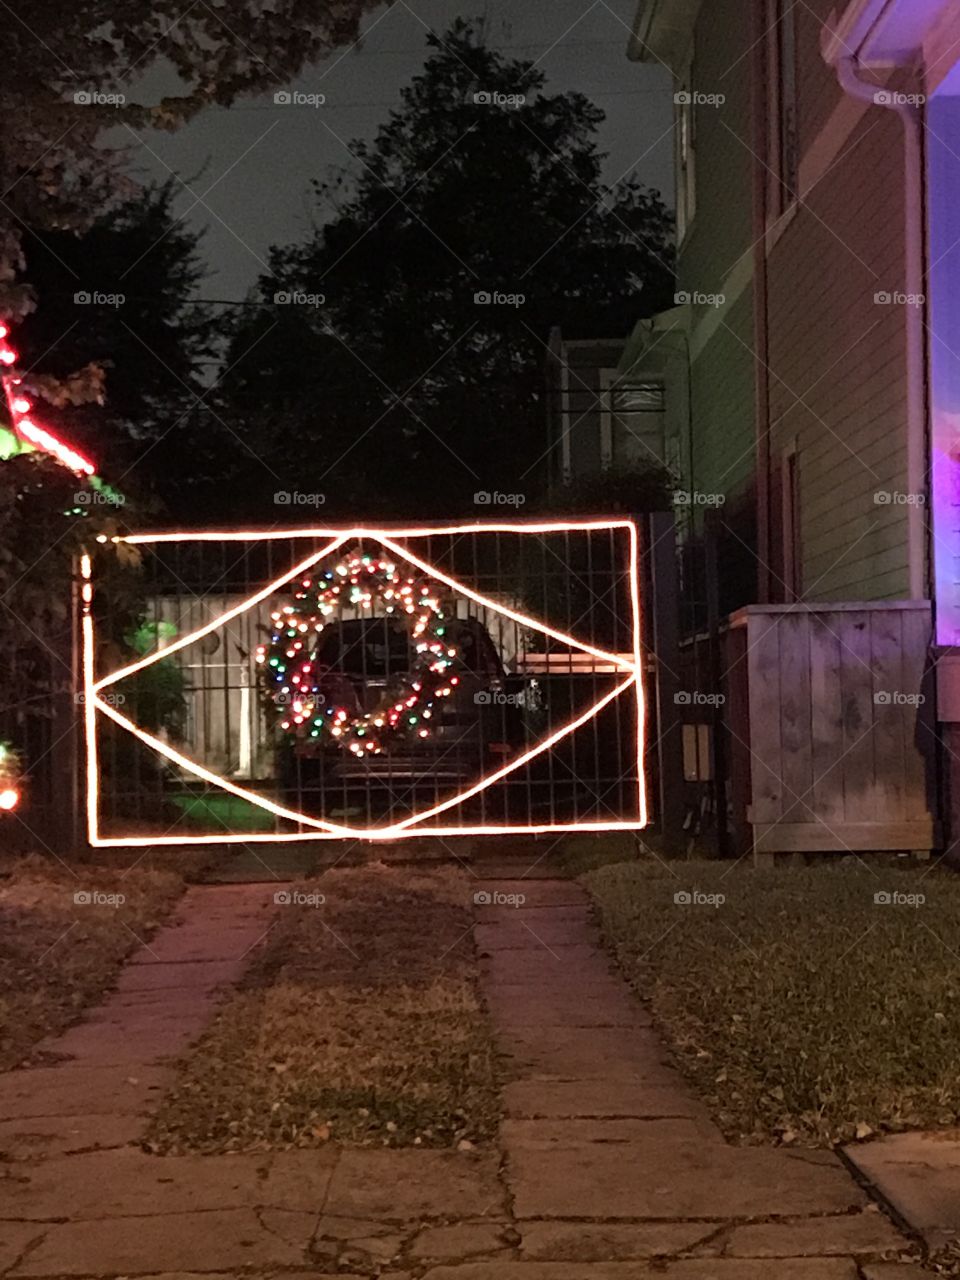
pixel 251 165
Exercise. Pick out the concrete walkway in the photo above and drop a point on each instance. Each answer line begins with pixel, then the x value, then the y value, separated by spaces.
pixel 608 1168
pixel 609 1159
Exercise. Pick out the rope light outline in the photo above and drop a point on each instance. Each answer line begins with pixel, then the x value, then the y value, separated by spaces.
pixel 322 830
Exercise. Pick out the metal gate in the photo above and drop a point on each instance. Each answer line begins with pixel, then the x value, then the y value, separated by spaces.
pixel 380 682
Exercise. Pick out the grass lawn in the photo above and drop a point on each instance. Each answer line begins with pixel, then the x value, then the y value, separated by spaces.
pixel 57 954
pixel 805 1010
pixel 359 1021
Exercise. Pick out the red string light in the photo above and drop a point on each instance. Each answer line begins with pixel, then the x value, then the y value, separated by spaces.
pixel 19 407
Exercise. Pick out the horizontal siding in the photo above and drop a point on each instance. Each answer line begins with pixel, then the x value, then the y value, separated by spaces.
pixel 837 358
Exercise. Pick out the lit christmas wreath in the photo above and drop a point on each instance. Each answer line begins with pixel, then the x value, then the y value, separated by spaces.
pixel 294 675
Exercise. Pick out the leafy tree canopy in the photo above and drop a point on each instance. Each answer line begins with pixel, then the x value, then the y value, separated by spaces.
pixel 397 355
pixel 67 64
pixel 118 323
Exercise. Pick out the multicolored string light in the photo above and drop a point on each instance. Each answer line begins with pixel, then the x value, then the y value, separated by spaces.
pixel 19 407
pixel 299 682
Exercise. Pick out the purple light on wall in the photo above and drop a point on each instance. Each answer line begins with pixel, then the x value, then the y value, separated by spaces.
pixel 943 203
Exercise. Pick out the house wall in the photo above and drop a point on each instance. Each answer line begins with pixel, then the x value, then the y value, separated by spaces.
pixel 715 258
pixel 837 358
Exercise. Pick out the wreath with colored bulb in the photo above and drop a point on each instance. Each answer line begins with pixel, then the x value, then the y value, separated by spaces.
pixel 313 704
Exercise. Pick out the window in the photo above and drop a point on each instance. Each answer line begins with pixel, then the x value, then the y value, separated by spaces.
pixel 792 545
pixel 685 157
pixel 631 422
pixel 783 158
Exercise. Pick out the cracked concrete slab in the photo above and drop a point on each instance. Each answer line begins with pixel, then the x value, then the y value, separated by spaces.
pixel 212 1241
pixel 128 1182
pixel 919 1174
pixel 713 1269
pixel 403 1185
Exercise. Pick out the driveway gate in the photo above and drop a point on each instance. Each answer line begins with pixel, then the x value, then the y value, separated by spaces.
pixel 340 682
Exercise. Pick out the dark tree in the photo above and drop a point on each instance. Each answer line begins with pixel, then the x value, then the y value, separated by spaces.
pixel 118 299
pixel 406 389
pixel 67 77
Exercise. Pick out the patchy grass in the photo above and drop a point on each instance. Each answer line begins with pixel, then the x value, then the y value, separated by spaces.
pixel 804 1010
pixel 575 855
pixel 59 955
pixel 359 1021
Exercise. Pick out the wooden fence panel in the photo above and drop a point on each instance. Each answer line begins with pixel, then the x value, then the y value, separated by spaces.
pixel 840 734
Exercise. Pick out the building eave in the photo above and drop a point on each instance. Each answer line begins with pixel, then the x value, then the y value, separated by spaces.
pixel 881 33
pixel 661 31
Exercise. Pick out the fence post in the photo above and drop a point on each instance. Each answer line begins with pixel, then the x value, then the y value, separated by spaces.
pixel 665 631
pixel 58 827
pixel 717 738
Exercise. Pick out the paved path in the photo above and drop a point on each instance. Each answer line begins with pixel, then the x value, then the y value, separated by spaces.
pixel 609 1159
pixel 609 1169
